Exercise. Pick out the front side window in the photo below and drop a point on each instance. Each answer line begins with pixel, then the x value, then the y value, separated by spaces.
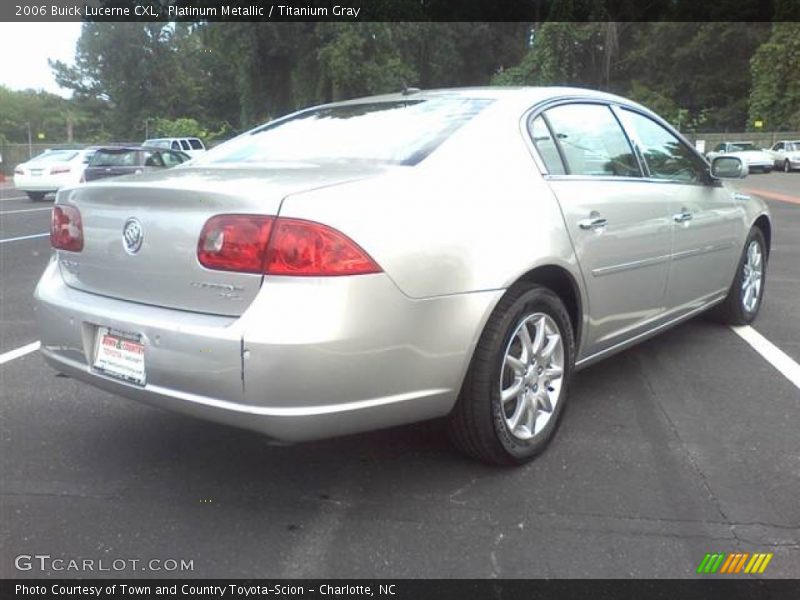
pixel 778 146
pixel 171 159
pixel 396 132
pixel 152 159
pixel 666 156
pixel 592 141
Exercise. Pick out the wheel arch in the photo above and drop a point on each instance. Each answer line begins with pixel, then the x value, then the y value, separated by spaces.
pixel 565 286
pixel 764 224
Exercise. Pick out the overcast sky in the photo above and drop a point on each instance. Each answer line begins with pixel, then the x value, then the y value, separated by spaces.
pixel 25 48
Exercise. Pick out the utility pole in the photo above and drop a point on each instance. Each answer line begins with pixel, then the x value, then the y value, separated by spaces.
pixel 30 143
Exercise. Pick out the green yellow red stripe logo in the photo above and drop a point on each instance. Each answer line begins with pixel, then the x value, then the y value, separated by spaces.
pixel 734 562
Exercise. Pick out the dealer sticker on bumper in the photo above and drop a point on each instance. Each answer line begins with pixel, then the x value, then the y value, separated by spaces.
pixel 120 355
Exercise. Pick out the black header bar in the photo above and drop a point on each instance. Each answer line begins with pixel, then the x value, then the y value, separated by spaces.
pixel 399 10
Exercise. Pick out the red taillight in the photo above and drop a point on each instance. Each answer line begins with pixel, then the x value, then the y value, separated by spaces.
pixel 234 243
pixel 307 248
pixel 279 246
pixel 66 229
pixel 59 170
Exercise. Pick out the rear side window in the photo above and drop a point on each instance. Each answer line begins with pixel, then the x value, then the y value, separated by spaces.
pixel 592 141
pixel 547 147
pixel 196 144
pixel 185 145
pixel 666 156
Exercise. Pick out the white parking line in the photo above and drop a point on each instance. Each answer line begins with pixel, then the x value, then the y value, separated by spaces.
pixel 24 237
pixel 19 352
pixel 25 210
pixel 13 198
pixel 771 353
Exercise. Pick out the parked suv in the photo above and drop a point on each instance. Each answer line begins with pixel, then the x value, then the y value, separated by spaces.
pixel 190 145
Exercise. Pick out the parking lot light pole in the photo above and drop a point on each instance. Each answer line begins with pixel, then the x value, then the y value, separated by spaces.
pixel 30 143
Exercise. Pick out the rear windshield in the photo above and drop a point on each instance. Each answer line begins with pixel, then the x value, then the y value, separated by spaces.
pixel 739 146
pixel 398 132
pixel 56 156
pixel 113 158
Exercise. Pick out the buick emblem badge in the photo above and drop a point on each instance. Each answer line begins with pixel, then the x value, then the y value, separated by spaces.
pixel 132 236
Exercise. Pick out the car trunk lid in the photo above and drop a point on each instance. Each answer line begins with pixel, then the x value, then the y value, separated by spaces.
pixel 169 208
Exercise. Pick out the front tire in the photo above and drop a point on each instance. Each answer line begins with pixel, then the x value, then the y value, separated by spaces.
pixel 516 388
pixel 787 166
pixel 743 301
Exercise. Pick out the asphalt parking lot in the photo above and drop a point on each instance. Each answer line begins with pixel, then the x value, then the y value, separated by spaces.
pixel 684 445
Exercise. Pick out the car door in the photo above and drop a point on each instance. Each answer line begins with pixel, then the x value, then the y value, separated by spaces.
pixel 704 213
pixel 620 229
pixel 777 152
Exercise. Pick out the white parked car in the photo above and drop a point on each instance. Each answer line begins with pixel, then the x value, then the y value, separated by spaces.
pixel 190 145
pixel 756 159
pixel 51 171
pixel 786 154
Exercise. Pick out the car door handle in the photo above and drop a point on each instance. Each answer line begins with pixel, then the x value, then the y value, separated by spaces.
pixel 682 216
pixel 593 223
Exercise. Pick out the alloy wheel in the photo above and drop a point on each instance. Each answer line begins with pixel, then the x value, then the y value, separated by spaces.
pixel 531 376
pixel 752 276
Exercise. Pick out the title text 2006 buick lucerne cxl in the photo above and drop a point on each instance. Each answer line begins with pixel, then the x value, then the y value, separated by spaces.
pixel 397 258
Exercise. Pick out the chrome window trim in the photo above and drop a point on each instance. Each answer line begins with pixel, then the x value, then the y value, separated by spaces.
pixel 540 108
pixel 709 180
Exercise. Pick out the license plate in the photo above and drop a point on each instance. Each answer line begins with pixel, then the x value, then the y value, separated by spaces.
pixel 36 173
pixel 120 355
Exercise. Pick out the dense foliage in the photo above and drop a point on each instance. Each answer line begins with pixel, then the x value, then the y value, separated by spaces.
pixel 214 79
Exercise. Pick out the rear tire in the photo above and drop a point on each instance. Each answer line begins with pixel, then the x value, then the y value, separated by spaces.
pixel 746 293
pixel 787 166
pixel 515 390
pixel 36 196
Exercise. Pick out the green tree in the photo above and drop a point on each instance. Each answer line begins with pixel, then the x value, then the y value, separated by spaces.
pixel 775 67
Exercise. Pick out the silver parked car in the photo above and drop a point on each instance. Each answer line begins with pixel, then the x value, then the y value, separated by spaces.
pixel 387 260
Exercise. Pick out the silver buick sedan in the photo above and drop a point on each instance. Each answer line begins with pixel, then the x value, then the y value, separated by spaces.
pixel 364 264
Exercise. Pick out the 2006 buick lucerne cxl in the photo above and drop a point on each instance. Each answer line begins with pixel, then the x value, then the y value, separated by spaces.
pixel 404 257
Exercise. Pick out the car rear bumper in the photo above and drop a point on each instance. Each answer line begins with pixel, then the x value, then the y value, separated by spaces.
pixel 43 183
pixel 309 359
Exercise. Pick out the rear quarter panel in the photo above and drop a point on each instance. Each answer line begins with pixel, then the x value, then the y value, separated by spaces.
pixel 475 215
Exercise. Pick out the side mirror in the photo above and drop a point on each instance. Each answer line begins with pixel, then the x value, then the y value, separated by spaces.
pixel 728 167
